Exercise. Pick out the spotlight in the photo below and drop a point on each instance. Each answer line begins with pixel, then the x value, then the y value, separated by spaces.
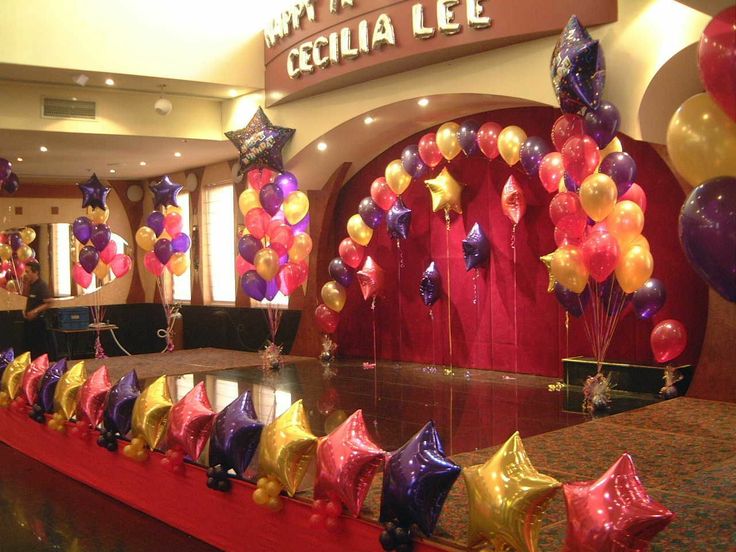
pixel 177 154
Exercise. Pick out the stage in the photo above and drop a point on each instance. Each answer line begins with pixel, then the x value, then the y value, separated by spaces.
pixel 684 449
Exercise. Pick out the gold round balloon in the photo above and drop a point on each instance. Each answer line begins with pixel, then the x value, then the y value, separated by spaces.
pixel 97 215
pixel 446 192
pixel 396 177
pixel 641 241
pixel 296 206
pixel 333 295
pixel 173 209
pixel 506 498
pixel 248 200
pixel 569 269
pixel 598 196
pixel 701 140
pixel 6 252
pixel 267 263
pixel 178 263
pixel 287 447
pixel 101 270
pixel 510 140
pixel 145 237
pixel 25 252
pixel 447 141
pixel 151 412
pixel 547 260
pixel 27 235
pixel 359 231
pixel 301 248
pixel 11 287
pixel 625 222
pixel 13 374
pixel 634 268
pixel 65 395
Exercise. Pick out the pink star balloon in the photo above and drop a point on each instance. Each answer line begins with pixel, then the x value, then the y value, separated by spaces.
pixel 513 201
pixel 614 513
pixel 92 397
pixel 370 278
pixel 347 460
pixel 32 378
pixel 190 422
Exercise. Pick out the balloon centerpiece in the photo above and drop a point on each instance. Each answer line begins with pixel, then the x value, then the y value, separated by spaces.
pixel 15 250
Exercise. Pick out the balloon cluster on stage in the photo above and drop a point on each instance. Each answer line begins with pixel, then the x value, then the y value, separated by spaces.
pixel 9 182
pixel 15 251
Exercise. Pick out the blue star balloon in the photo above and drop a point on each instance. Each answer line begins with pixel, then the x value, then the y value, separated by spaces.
pixel 577 69
pixel 476 247
pixel 165 192
pixel 94 194
pixel 398 220
pixel 47 387
pixel 235 435
pixel 416 481
pixel 6 357
pixel 119 408
pixel 260 143
pixel 430 286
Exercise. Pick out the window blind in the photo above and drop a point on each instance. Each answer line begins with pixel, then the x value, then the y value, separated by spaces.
pixel 219 244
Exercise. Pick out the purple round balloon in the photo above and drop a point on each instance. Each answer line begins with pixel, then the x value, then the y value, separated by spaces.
pixel 235 435
pixel 572 302
pixel 82 229
pixel 163 250
pixel 15 241
pixel 271 197
pixel 181 243
pixel 253 285
pixel 398 220
pixel 248 246
pixel 531 153
pixel 708 233
pixel 47 386
pixel 649 298
pixel 370 212
pixel 287 183
pixel 602 123
pixel 476 247
pixel 302 226
pixel 621 167
pixel 340 272
pixel 430 286
pixel 6 167
pixel 570 184
pixel 6 357
pixel 467 136
pixel 100 236
pixel 88 258
pixel 118 413
pixel 11 184
pixel 412 162
pixel 155 222
pixel 272 288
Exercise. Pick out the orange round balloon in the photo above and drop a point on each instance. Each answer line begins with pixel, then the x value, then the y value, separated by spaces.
pixel 625 222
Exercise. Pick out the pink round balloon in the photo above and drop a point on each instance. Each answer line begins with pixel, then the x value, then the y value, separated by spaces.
pixel 429 151
pixel 382 194
pixel 487 139
pixel 242 266
pixel 600 255
pixel 717 60
pixel 173 223
pixel 120 265
pixel 107 254
pixel 152 264
pixel 580 157
pixel 636 194
pixel 81 276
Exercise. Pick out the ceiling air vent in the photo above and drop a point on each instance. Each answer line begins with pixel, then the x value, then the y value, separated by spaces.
pixel 55 108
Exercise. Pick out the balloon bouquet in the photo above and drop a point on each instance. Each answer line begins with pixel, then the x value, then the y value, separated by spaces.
pixel 166 244
pixel 98 253
pixel 15 250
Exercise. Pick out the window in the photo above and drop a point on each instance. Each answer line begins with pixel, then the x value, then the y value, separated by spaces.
pixel 270 403
pixel 226 391
pixel 121 245
pixel 184 384
pixel 61 277
pixel 183 284
pixel 219 244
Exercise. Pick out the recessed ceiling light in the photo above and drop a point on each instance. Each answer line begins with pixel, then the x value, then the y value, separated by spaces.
pixel 423 102
pixel 142 163
pixel 112 171
pixel 43 149
pixel 177 154
pixel 109 82
pixel 321 146
pixel 20 159
pixel 368 120
pixel 233 92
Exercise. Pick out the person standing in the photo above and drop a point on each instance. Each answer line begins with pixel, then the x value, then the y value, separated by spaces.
pixel 35 333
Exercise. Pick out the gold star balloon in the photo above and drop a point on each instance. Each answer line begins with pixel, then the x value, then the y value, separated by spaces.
pixel 547 260
pixel 507 496
pixel 13 375
pixel 65 395
pixel 151 412
pixel 287 447
pixel 445 192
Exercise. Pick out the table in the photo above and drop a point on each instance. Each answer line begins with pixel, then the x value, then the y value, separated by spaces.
pixel 69 336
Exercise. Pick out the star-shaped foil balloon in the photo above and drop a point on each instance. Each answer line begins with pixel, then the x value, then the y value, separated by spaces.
pixel 446 192
pixel 287 448
pixel 577 69
pixel 260 143
pixel 65 396
pixel 506 498
pixel 190 422
pixel 151 411
pixel 513 201
pixel 13 374
pixel 94 193
pixel 613 513
pixel 165 192
pixel 235 435
pixel 6 357
pixel 371 278
pixel 551 281
pixel 47 387
pixel 430 286
pixel 32 378
pixel 476 248
pixel 398 220
pixel 416 480
pixel 118 413
pixel 92 395
pixel 347 460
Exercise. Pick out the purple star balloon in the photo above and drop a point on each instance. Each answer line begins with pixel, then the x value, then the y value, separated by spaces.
pixel 398 220
pixel 94 194
pixel 47 387
pixel 165 192
pixel 6 357
pixel 476 248
pixel 260 143
pixel 119 408
pixel 416 481
pixel 430 286
pixel 577 69
pixel 235 435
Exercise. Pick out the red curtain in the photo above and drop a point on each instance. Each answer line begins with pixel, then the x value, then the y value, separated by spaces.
pixel 482 333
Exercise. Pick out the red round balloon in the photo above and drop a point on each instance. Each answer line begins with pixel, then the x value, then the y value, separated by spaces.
pixel 382 194
pixel 566 127
pixel 327 319
pixel 636 194
pixel 717 60
pixel 257 221
pixel 600 255
pixel 351 252
pixel 258 178
pixel 551 171
pixel 429 151
pixel 668 340
pixel 487 138
pixel 282 234
pixel 289 278
pixel 580 157
pixel 242 266
pixel 563 238
pixel 567 214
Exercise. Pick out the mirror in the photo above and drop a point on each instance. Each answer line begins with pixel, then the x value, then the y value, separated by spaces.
pixel 54 247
